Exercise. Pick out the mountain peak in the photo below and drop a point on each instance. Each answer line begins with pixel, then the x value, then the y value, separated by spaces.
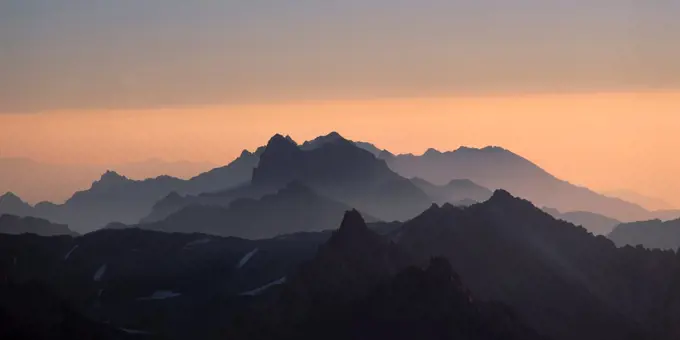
pixel 500 195
pixel 280 140
pixel 320 141
pixel 352 222
pixel 493 148
pixel 246 153
pixel 432 152
pixel 9 195
pixel 9 198
pixel 334 134
pixel 111 175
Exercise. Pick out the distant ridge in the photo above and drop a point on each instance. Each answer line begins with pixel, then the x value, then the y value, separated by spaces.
pixel 498 168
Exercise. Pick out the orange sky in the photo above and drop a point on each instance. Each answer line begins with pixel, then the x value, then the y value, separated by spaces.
pixel 604 141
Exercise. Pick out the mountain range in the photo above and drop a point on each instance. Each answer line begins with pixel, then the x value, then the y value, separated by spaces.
pixel 294 208
pixel 500 269
pixel 498 168
pixel 387 187
pixel 116 198
pixel 39 181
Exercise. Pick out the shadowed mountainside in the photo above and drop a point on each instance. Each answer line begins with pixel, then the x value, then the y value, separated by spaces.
pixel 565 282
pixel 362 286
pixel 11 224
pixel 650 234
pixel 295 208
pixel 331 166
pixel 594 223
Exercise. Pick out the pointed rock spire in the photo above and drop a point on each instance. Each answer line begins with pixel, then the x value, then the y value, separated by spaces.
pixel 353 222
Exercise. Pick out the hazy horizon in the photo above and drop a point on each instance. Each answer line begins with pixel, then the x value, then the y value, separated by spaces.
pixel 606 142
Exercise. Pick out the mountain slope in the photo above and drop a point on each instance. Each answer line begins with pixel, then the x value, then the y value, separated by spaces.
pixel 650 234
pixel 331 166
pixel 116 198
pixel 565 282
pixel 497 168
pixel 10 224
pixel 174 286
pixel 594 223
pixel 361 286
pixel 12 204
pixel 344 172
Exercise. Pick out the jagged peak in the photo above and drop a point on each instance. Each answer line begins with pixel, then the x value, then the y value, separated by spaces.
pixel 112 175
pixel 352 222
pixel 279 143
pixel 245 153
pixel 279 137
pixel 432 152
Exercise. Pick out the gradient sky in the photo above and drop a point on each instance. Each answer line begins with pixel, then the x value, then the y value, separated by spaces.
pixel 157 53
pixel 588 90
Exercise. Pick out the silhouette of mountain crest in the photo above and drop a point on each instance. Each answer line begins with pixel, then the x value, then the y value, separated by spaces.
pixel 109 179
pixel 432 152
pixel 352 224
pixel 10 197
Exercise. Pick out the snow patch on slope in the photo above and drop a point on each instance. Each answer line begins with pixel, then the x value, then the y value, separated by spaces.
pixel 247 258
pixel 196 243
pixel 100 272
pixel 69 252
pixel 160 295
pixel 260 290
